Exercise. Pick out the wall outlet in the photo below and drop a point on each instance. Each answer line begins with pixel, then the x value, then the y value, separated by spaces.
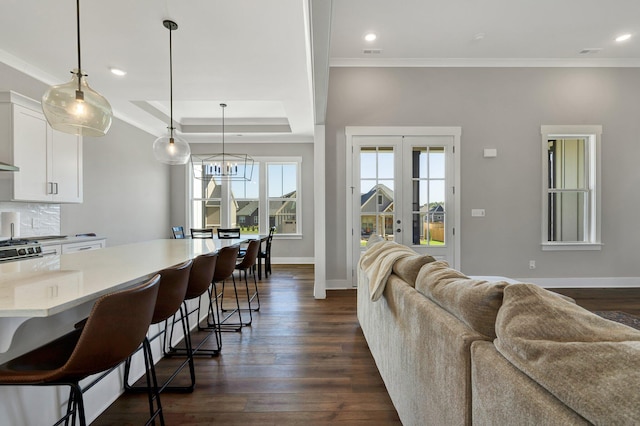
pixel 532 264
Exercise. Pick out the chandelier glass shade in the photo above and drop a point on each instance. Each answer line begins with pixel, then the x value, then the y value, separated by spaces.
pixel 74 107
pixel 170 149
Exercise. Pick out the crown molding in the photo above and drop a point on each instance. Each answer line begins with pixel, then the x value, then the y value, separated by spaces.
pixel 487 62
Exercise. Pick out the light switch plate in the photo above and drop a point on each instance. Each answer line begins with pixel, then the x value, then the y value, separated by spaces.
pixel 490 152
pixel 477 212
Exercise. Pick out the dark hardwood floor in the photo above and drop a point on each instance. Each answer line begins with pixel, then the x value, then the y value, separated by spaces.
pixel 303 361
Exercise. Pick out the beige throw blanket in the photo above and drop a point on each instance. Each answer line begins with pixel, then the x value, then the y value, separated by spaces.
pixel 377 261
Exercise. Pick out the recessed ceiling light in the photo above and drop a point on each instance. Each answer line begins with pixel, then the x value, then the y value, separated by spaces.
pixel 623 37
pixel 370 37
pixel 118 72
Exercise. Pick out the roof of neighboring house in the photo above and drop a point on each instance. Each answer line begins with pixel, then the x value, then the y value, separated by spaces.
pixel 249 209
pixel 379 188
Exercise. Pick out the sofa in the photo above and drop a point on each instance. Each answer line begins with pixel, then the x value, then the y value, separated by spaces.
pixel 454 350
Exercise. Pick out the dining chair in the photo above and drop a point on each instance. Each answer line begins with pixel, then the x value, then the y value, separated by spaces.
pixel 228 233
pixel 201 233
pixel 115 328
pixel 266 255
pixel 178 232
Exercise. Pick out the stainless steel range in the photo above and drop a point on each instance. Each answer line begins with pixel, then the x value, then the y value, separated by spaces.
pixel 17 249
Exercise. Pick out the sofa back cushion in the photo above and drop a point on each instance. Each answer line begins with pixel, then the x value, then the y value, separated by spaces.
pixel 474 302
pixel 589 363
pixel 408 267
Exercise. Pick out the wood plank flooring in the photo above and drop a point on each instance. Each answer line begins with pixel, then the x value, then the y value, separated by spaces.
pixel 302 361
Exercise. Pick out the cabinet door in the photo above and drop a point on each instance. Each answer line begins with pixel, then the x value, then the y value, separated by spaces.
pixel 66 167
pixel 31 154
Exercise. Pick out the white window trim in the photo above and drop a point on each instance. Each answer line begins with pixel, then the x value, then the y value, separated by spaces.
pixel 263 205
pixel 594 132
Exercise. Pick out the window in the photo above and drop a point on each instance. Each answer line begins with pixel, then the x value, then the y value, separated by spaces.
pixel 282 179
pixel 571 198
pixel 270 198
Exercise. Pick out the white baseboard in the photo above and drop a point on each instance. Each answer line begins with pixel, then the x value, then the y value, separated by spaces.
pixel 593 282
pixel 292 260
pixel 339 285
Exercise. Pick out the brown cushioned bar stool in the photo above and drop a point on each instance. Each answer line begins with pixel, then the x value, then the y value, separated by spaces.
pixel 247 264
pixel 116 327
pixel 173 287
pixel 200 279
pixel 225 266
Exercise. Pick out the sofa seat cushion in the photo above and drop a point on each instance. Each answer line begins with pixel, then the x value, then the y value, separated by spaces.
pixel 474 302
pixel 407 268
pixel 585 361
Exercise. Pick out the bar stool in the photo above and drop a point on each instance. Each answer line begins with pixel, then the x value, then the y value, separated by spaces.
pixel 116 327
pixel 247 264
pixel 225 266
pixel 200 279
pixel 173 287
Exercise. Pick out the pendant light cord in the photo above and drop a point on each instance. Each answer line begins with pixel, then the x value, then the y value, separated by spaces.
pixel 171 128
pixel 79 61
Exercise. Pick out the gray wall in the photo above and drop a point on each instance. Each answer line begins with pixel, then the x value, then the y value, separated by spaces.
pixel 126 192
pixel 500 108
pixel 289 248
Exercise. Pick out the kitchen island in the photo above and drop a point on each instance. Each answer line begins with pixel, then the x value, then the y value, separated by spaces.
pixel 41 299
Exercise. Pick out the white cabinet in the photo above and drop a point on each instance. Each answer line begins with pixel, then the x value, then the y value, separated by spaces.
pixel 50 162
pixel 82 246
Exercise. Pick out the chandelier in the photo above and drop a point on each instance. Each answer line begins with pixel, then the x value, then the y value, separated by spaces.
pixel 226 166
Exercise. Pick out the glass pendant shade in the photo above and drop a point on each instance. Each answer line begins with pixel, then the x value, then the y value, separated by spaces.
pixel 76 108
pixel 171 150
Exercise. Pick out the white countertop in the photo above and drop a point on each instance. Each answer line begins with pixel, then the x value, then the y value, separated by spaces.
pixel 45 286
pixel 68 240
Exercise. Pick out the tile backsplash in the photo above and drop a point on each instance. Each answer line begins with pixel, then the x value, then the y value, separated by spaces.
pixel 35 218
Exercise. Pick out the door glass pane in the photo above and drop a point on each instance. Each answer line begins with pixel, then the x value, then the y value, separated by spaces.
pixel 436 162
pixel 428 198
pixel 376 192
pixel 368 163
pixel 385 163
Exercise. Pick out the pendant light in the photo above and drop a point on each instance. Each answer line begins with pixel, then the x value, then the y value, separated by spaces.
pixel 75 107
pixel 170 149
pixel 225 165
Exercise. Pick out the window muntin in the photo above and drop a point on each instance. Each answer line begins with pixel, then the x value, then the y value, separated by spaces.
pixel 571 196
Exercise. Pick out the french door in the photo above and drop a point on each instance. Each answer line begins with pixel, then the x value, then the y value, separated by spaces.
pixel 402 188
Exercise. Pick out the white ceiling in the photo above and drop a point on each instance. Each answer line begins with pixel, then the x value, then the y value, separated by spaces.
pixel 256 56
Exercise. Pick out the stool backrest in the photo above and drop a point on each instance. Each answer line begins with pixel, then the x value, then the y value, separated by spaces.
pixel 173 287
pixel 226 262
pixel 201 275
pixel 118 323
pixel 250 257
pixel 228 233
